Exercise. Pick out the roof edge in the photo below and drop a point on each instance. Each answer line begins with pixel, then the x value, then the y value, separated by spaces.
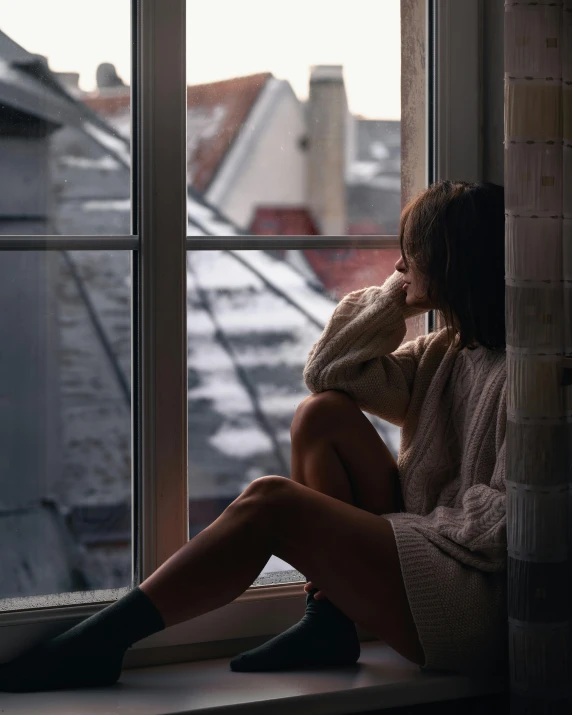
pixel 240 148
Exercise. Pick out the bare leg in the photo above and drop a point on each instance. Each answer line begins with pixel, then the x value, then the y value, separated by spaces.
pixel 337 451
pixel 335 544
pixel 349 550
pixel 217 565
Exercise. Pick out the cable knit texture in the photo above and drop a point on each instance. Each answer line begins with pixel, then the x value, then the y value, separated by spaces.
pixel 451 407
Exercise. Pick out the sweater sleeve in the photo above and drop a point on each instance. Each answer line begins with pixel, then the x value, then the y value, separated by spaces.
pixel 475 532
pixel 359 351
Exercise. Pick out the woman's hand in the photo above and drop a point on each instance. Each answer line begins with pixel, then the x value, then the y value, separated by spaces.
pixel 318 595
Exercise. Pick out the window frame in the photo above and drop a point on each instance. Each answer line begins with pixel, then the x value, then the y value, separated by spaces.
pixel 455 83
pixel 159 357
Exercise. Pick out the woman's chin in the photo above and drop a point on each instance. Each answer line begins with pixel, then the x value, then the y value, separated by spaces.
pixel 412 303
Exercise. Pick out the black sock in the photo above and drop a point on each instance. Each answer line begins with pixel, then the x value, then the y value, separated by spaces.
pixel 325 637
pixel 89 654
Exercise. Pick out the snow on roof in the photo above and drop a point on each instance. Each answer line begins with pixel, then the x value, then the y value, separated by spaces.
pixel 114 145
pixel 204 219
pixel 267 341
pixel 81 162
pixel 294 287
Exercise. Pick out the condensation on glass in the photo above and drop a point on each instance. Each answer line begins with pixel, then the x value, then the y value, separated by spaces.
pixel 65 119
pixel 253 317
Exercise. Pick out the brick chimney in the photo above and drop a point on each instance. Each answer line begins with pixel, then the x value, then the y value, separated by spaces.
pixel 327 116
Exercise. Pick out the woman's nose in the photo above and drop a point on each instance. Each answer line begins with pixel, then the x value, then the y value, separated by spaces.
pixel 400 265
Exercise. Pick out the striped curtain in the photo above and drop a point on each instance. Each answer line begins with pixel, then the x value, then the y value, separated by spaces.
pixel 538 187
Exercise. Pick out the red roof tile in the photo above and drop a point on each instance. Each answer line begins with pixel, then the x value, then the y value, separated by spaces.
pixel 237 96
pixel 344 270
pixel 109 105
pixel 284 221
pixel 366 227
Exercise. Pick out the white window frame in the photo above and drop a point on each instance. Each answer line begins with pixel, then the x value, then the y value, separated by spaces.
pixel 159 244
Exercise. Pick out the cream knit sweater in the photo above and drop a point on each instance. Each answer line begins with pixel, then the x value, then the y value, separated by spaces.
pixel 451 406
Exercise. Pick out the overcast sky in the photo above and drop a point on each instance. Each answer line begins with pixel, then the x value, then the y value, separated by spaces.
pixel 228 38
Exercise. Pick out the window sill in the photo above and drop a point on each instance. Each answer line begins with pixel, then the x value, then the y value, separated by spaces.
pixel 381 680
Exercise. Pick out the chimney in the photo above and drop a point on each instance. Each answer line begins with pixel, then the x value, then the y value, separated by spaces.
pixel 70 80
pixel 327 116
pixel 107 77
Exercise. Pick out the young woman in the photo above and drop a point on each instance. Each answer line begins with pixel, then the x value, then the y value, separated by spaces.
pixel 413 551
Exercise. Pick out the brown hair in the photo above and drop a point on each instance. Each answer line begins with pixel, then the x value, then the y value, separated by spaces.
pixel 453 235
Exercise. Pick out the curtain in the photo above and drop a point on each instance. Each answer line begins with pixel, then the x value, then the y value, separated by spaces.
pixel 538 190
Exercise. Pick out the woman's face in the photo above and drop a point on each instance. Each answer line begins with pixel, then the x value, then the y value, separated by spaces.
pixel 414 285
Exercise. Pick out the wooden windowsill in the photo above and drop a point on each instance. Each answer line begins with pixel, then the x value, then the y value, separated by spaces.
pixel 382 679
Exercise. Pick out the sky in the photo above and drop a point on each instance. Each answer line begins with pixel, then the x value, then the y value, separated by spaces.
pixel 229 38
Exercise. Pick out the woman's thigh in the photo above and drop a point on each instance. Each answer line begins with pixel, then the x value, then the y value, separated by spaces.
pixel 331 424
pixel 348 553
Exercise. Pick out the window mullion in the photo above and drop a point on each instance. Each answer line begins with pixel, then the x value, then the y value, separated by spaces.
pixel 68 243
pixel 161 504
pixel 239 243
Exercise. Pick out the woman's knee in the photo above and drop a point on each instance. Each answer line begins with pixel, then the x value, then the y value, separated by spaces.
pixel 264 499
pixel 321 413
pixel 266 493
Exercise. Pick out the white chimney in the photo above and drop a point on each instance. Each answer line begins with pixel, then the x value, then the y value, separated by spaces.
pixel 70 81
pixel 327 154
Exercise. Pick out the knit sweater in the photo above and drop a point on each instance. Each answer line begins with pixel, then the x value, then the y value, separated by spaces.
pixel 451 407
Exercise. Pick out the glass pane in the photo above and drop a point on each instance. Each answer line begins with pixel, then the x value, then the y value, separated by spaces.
pixel 64 117
pixel 65 413
pixel 294 122
pixel 252 318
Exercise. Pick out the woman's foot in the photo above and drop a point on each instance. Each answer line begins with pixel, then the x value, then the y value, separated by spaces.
pixel 60 664
pixel 89 654
pixel 324 638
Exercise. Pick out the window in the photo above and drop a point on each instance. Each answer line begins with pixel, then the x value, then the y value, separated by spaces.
pixel 186 216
